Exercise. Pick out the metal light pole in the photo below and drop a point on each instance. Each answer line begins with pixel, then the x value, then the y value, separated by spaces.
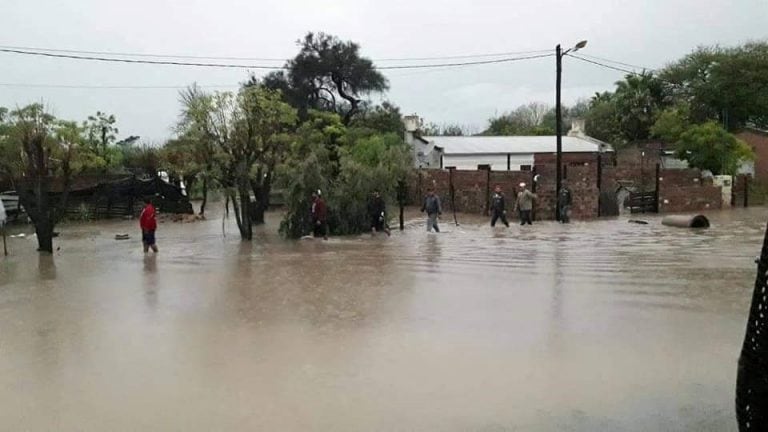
pixel 559 54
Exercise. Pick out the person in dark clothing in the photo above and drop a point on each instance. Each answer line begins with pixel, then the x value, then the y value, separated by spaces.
pixel 433 209
pixel 498 207
pixel 319 216
pixel 564 202
pixel 377 209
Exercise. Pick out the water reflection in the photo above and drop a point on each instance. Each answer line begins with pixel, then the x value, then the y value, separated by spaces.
pixel 46 266
pixel 593 326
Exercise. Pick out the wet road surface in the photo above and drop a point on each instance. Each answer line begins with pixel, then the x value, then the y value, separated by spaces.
pixel 586 327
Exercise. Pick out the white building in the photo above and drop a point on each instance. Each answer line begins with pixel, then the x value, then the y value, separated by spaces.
pixel 500 153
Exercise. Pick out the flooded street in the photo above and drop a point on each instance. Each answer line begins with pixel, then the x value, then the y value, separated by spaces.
pixel 593 326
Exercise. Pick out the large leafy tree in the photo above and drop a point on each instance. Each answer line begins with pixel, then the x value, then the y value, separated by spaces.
pixel 639 99
pixel 101 136
pixel 48 150
pixel 364 161
pixel 248 130
pixel 328 74
pixel 602 121
pixel 384 118
pixel 672 123
pixel 524 120
pixel 729 85
pixel 710 147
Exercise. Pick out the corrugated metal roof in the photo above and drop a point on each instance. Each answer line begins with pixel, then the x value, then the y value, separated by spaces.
pixel 514 144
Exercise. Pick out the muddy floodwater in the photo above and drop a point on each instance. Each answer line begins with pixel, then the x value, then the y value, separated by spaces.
pixel 592 326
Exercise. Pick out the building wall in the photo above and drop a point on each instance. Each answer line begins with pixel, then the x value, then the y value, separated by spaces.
pixel 498 162
pixel 424 154
pixel 759 143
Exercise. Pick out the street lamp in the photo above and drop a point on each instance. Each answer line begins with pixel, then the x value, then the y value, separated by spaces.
pixel 559 54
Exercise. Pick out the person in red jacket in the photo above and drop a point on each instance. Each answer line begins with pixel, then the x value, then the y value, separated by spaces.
pixel 148 224
pixel 319 216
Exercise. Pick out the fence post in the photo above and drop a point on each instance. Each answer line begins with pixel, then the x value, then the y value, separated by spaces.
pixel 658 174
pixel 488 191
pixel 453 195
pixel 746 191
pixel 402 197
pixel 533 190
pixel 599 182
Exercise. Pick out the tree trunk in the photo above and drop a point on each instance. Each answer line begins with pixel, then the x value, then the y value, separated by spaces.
pixel 37 205
pixel 261 191
pixel 44 231
pixel 246 226
pixel 205 196
pixel 232 196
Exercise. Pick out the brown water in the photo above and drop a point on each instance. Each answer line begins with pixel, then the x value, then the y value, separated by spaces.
pixel 599 326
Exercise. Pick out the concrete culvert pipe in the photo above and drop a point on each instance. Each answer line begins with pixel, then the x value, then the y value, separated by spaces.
pixel 686 221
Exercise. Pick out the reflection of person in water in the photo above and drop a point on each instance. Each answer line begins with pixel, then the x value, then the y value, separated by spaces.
pixel 432 250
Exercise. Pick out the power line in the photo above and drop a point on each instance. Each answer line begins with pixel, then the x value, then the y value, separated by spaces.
pixel 153 62
pixel 632 72
pixel 466 56
pixel 199 57
pixel 111 87
pixel 242 66
pixel 129 54
pixel 616 62
pixel 482 62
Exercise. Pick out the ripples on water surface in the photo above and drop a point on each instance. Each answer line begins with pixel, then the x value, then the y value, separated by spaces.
pixel 585 327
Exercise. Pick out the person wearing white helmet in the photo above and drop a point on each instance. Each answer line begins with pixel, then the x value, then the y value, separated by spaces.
pixel 524 204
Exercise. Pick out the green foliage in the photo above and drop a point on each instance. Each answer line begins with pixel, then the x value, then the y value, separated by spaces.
pixel 327 74
pixel 535 118
pixel 366 162
pixel 723 84
pixel 671 124
pixel 100 135
pixel 454 129
pixel 602 122
pixel 247 135
pixel 638 100
pixel 710 147
pixel 384 118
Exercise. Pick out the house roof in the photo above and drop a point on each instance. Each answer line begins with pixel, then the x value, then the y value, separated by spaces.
pixel 516 144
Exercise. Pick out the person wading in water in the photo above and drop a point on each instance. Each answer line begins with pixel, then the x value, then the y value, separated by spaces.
pixel 564 201
pixel 319 216
pixel 148 224
pixel 524 204
pixel 377 209
pixel 498 207
pixel 433 209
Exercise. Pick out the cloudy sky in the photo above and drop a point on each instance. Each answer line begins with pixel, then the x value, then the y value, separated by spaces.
pixel 647 33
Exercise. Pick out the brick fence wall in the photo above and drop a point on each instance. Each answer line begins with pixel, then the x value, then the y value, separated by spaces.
pixel 680 190
pixel 683 190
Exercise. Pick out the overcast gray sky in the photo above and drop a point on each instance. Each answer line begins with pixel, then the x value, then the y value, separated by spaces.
pixel 647 33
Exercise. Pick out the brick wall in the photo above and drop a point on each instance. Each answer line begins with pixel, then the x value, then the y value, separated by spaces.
pixel 759 143
pixel 684 190
pixel 679 190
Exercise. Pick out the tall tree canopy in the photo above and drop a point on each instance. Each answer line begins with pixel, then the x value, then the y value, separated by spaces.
pixel 729 85
pixel 328 74
pixel 710 147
